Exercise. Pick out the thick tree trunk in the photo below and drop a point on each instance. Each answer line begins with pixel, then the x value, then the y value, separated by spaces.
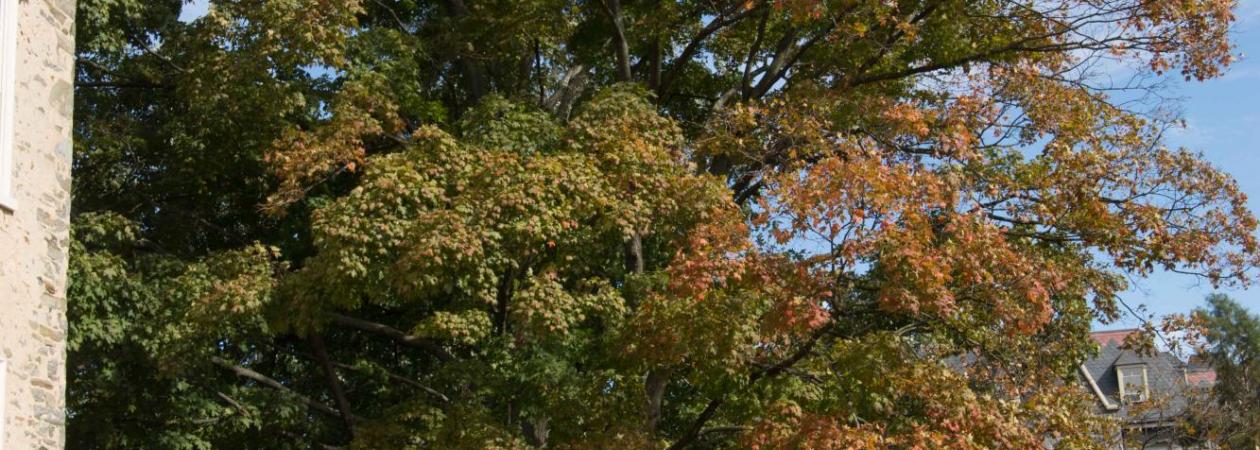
pixel 476 83
pixel 620 45
pixel 654 388
pixel 536 431
pixel 634 253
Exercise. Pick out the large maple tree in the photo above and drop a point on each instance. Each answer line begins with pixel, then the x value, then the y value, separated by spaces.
pixel 761 224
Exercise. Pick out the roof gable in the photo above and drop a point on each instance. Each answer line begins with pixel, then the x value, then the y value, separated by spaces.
pixel 1167 376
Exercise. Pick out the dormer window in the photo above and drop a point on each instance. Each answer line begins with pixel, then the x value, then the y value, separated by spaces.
pixel 1133 383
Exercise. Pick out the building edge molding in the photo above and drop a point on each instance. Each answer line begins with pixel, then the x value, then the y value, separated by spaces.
pixel 1093 386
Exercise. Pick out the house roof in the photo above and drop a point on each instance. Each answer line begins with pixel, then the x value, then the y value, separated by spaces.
pixel 1113 337
pixel 1131 358
pixel 1167 377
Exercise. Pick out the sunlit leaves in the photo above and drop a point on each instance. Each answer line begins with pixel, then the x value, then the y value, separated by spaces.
pixel 861 223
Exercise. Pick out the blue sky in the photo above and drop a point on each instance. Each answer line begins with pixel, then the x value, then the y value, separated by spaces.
pixel 1223 122
pixel 194 9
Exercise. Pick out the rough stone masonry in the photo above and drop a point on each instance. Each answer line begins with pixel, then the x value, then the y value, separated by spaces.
pixel 34 232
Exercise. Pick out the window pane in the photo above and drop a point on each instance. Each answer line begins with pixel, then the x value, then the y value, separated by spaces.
pixel 1134 383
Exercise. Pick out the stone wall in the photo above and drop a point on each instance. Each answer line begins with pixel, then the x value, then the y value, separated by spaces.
pixel 34 236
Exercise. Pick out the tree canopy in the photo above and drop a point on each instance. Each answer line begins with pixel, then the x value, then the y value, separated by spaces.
pixel 1229 340
pixel 764 224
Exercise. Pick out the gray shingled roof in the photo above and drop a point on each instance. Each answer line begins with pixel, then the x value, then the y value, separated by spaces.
pixel 1164 374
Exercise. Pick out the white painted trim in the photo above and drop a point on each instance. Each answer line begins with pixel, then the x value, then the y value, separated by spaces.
pixel 1146 385
pixel 8 95
pixel 1093 386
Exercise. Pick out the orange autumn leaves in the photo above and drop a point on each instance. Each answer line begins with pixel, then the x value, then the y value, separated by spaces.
pixel 304 158
pixel 898 228
pixel 829 224
pixel 973 207
pixel 921 217
pixel 1196 35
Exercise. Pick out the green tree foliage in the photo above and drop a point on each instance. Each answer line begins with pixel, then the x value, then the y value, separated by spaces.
pixel 762 224
pixel 1232 347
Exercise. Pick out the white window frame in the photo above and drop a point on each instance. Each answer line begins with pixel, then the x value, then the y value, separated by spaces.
pixel 1146 383
pixel 8 95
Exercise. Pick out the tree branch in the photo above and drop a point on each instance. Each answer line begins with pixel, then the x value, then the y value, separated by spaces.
pixel 620 46
pixel 334 383
pixel 698 425
pixel 560 102
pixel 119 85
pixel 272 383
pixel 234 403
pixel 710 410
pixel 726 429
pixel 785 58
pixel 395 334
pixel 403 380
pixel 745 84
pixel 725 19
pixel 1017 46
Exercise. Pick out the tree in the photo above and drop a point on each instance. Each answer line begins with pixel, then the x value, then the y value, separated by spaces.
pixel 622 224
pixel 1232 342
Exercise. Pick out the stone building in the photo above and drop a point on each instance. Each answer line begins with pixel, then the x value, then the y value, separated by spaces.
pixel 36 91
